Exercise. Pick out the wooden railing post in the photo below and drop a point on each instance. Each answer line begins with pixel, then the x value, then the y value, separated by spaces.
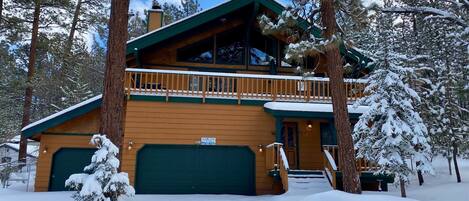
pixel 204 88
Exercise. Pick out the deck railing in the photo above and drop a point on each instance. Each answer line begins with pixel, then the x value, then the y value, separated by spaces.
pixel 361 164
pixel 235 86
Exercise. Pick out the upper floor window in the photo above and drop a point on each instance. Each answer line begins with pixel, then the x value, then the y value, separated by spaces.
pixel 230 47
pixel 200 52
pixel 263 50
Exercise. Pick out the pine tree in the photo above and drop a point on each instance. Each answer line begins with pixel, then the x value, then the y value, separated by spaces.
pixel 323 36
pixel 391 131
pixel 102 181
pixel 113 104
pixel 174 12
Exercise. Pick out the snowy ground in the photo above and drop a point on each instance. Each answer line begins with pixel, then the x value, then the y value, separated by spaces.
pixel 441 187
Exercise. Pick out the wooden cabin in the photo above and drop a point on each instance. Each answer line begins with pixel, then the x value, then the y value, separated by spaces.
pixel 212 108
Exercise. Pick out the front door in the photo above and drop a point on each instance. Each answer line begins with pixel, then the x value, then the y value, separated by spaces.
pixel 290 143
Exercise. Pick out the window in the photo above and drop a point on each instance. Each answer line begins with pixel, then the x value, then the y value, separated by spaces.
pixel 262 50
pixel 6 159
pixel 200 52
pixel 230 47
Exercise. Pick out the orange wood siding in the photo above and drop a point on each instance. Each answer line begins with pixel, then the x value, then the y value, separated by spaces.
pixel 53 144
pixel 88 123
pixel 64 136
pixel 185 123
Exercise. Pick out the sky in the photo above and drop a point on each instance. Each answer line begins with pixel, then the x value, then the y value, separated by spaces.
pixel 140 5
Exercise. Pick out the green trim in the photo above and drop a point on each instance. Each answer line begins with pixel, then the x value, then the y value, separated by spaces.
pixel 190 23
pixel 69 134
pixel 197 100
pixel 223 9
pixel 79 111
pixel 300 114
pixel 278 129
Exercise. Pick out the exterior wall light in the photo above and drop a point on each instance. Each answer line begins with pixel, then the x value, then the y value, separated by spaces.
pixel 44 151
pixel 260 147
pixel 131 144
pixel 309 125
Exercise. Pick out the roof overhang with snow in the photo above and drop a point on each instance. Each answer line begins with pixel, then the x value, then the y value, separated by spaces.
pixel 308 110
pixel 166 32
pixel 60 117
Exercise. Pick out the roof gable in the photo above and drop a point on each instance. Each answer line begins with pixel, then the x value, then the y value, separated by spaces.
pixel 62 116
pixel 193 21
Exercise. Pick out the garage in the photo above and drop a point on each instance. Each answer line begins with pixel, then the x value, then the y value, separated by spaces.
pixel 65 162
pixel 195 169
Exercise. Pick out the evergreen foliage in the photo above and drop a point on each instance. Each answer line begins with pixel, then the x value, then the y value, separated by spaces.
pixel 101 180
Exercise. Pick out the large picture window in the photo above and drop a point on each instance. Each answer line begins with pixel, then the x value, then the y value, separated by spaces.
pixel 200 52
pixel 230 47
pixel 263 50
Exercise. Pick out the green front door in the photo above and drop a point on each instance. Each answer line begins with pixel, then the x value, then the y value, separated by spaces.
pixel 194 169
pixel 65 162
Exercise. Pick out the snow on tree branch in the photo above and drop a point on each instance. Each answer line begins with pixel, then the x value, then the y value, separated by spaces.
pixel 102 181
pixel 429 11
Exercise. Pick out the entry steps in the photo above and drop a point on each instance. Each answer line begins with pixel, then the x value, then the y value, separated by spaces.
pixel 308 181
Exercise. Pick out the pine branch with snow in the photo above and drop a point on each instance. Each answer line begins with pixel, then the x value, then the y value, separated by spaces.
pixel 392 131
pixel 101 180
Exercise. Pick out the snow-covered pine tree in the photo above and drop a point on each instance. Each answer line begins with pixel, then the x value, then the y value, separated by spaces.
pixel 102 181
pixel 445 40
pixel 391 131
pixel 321 32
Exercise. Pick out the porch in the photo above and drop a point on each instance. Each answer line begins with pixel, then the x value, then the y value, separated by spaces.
pixel 306 146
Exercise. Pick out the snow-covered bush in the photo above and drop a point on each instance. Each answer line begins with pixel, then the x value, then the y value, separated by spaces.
pixel 101 180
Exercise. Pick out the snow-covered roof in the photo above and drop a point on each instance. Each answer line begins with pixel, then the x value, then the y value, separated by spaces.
pixel 56 119
pixel 310 107
pixel 32 150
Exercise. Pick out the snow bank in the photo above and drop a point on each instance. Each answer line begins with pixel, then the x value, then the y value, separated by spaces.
pixel 311 107
pixel 342 196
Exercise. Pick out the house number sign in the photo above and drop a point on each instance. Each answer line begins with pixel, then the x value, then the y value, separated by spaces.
pixel 208 141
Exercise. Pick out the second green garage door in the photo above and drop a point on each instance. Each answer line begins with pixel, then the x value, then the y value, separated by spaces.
pixel 194 169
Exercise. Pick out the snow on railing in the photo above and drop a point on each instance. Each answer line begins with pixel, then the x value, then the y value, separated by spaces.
pixel 284 159
pixel 171 83
pixel 331 160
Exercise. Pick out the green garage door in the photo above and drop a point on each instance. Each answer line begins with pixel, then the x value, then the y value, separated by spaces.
pixel 193 169
pixel 65 162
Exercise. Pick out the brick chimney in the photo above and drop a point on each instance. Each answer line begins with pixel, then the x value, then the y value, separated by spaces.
pixel 155 17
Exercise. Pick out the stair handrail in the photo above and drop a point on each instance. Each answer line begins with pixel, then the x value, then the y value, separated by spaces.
pixel 283 168
pixel 330 167
pixel 277 161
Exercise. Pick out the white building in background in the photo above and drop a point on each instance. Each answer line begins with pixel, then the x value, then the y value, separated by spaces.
pixel 9 150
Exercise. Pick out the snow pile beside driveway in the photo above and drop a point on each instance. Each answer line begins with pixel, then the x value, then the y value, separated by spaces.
pixel 342 196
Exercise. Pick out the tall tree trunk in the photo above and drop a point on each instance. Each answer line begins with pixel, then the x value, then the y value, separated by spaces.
pixel 73 28
pixel 455 160
pixel 419 174
pixel 1 12
pixel 449 165
pixel 113 105
pixel 351 179
pixel 403 192
pixel 29 85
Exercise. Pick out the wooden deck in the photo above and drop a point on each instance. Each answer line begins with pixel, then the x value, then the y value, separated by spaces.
pixel 235 86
